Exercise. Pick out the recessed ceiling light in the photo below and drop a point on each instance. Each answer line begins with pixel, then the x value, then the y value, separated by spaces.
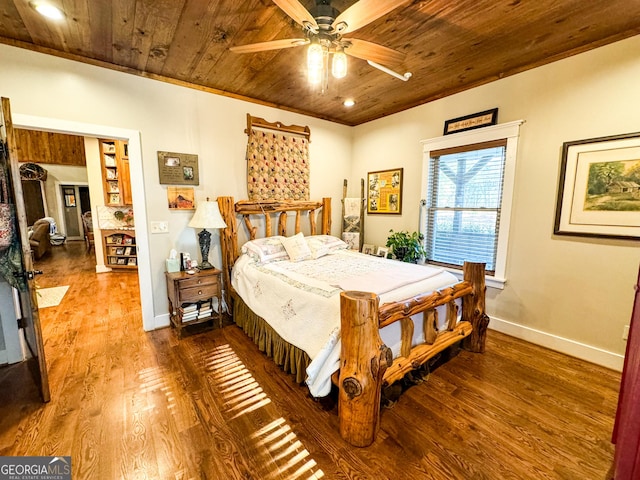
pixel 349 102
pixel 48 10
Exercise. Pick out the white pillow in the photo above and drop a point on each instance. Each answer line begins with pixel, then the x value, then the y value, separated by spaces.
pixel 322 245
pixel 297 248
pixel 265 250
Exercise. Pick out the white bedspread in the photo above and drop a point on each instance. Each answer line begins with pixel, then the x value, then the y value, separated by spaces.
pixel 301 301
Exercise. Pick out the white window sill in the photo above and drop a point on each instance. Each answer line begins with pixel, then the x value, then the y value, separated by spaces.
pixel 490 281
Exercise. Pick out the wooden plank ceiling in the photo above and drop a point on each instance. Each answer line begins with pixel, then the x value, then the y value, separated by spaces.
pixel 450 46
pixel 48 147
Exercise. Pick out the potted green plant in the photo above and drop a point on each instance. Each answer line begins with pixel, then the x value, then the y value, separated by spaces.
pixel 406 246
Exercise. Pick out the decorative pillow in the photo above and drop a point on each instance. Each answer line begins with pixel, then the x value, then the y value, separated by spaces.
pixel 297 248
pixel 265 250
pixel 322 245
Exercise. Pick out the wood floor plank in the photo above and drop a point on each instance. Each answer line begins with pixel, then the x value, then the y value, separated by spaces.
pixel 133 404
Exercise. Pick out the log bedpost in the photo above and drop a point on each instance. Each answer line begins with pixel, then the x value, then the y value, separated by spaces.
pixel 228 244
pixel 364 359
pixel 473 307
pixel 326 216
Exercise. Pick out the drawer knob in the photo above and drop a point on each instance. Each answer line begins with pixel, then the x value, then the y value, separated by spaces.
pixel 199 292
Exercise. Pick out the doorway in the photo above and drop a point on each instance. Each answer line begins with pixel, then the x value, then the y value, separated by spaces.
pixel 139 205
pixel 75 202
pixel 34 200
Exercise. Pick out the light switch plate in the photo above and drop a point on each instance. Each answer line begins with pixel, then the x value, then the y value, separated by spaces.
pixel 159 227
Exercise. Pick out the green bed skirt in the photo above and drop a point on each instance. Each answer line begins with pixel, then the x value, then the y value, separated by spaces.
pixel 291 359
pixel 295 361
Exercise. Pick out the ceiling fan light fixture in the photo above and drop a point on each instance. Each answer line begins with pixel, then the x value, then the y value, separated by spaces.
pixel 339 64
pixel 314 75
pixel 48 10
pixel 314 56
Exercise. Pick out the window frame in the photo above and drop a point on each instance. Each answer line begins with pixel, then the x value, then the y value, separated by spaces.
pixel 506 131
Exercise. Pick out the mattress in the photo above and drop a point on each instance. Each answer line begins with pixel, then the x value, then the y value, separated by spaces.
pixel 301 300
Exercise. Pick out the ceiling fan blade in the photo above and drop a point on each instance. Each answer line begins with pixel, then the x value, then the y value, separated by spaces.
pixel 374 52
pixel 272 45
pixel 364 12
pixel 296 10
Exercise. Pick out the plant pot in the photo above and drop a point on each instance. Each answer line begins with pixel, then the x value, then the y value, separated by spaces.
pixel 400 253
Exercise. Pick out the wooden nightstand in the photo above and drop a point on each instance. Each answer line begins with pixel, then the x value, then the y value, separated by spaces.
pixel 191 297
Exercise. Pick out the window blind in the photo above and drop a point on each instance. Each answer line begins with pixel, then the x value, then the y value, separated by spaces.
pixel 463 204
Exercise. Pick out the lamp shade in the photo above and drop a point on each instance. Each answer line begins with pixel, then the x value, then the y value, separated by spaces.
pixel 207 216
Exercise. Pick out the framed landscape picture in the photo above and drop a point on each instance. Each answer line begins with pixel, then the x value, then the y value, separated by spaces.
pixel 599 188
pixel 384 191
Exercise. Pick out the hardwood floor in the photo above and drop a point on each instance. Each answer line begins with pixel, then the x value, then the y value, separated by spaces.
pixel 129 404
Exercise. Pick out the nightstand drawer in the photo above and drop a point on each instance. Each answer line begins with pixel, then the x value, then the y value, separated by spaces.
pixel 197 281
pixel 189 290
pixel 195 294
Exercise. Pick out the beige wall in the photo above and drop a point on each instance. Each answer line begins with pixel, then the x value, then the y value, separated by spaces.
pixel 96 195
pixel 564 292
pixel 561 291
pixel 169 118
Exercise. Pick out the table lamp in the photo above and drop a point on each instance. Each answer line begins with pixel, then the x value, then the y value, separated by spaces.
pixel 207 216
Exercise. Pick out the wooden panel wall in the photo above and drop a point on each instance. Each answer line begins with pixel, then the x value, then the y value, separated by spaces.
pixel 46 147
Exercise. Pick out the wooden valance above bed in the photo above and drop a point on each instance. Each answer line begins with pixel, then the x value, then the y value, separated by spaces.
pixel 276 126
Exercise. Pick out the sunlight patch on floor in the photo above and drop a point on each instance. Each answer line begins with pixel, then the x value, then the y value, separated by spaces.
pixel 152 380
pixel 276 441
pixel 241 392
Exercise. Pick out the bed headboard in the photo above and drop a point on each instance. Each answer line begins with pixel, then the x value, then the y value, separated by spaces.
pixel 267 210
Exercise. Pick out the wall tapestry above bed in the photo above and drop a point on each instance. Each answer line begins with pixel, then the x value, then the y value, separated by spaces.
pixel 277 160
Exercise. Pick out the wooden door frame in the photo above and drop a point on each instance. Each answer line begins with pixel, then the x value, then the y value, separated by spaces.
pixel 25 294
pixel 138 193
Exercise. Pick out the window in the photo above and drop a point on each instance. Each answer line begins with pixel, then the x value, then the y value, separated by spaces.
pixel 467 187
pixel 463 204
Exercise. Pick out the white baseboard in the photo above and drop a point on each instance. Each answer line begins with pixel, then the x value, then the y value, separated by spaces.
pixel 591 354
pixel 102 269
pixel 161 321
pixel 585 352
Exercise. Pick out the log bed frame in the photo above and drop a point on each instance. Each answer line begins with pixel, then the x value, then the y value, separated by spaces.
pixel 366 364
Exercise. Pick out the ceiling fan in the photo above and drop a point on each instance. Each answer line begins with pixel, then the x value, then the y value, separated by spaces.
pixel 323 29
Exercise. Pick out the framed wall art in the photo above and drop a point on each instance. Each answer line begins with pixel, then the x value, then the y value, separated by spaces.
pixel 181 198
pixel 369 249
pixel 178 168
pixel 384 191
pixel 469 122
pixel 599 188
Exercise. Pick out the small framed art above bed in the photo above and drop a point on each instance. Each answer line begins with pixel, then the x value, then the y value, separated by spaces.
pixel 331 315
